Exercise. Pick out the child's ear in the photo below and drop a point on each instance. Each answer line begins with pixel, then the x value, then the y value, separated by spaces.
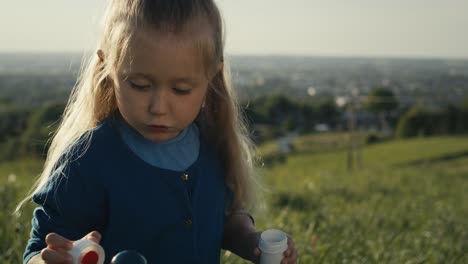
pixel 219 68
pixel 101 55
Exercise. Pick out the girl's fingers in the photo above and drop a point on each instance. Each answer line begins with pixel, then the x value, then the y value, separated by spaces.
pixel 57 247
pixel 290 255
pixel 293 257
pixel 94 236
pixel 52 256
pixel 291 247
pixel 257 252
pixel 56 241
pixel 291 243
pixel 256 257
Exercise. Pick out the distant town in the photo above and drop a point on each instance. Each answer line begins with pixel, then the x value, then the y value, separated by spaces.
pixel 38 78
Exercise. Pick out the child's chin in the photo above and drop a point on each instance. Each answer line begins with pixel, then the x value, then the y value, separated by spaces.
pixel 160 137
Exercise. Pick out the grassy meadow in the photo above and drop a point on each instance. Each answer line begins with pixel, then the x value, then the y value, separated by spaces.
pixel 407 202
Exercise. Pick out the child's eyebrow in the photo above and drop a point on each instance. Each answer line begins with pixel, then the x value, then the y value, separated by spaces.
pixel 137 74
pixel 187 79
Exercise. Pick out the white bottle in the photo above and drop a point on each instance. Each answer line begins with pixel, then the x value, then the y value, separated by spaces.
pixel 86 251
pixel 273 243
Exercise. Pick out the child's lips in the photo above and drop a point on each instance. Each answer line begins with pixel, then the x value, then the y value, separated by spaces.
pixel 158 128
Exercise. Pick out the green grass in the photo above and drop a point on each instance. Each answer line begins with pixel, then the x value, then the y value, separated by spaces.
pixel 406 203
pixel 15 180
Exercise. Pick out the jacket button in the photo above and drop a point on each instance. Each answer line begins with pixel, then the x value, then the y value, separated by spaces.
pixel 184 177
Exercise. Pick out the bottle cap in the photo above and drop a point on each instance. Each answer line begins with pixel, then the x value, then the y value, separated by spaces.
pixel 273 241
pixel 86 251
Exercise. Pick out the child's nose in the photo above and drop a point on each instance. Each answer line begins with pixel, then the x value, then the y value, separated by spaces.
pixel 158 102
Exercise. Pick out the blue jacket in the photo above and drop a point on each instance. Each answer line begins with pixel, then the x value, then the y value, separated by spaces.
pixel 168 216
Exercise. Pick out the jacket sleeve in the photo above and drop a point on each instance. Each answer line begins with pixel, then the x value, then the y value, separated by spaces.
pixel 229 212
pixel 71 204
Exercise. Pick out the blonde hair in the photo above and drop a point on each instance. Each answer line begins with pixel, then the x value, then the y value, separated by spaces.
pixel 93 97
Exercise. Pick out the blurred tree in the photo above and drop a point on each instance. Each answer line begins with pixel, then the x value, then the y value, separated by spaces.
pixel 463 118
pixel 13 121
pixel 418 121
pixel 308 117
pixel 289 124
pixel 464 104
pixel 411 123
pixel 381 101
pixel 327 111
pixel 41 124
pixel 278 108
pixel 283 114
pixel 5 101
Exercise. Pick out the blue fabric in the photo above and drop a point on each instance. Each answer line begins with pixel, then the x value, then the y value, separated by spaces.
pixel 135 205
pixel 174 154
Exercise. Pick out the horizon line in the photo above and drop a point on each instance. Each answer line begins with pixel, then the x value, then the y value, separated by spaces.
pixel 291 55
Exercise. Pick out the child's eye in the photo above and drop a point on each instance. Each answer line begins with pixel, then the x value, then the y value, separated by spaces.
pixel 138 86
pixel 182 91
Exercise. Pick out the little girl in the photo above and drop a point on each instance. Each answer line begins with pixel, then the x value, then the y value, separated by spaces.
pixel 151 154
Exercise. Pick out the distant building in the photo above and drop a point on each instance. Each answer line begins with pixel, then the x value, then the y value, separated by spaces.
pixel 322 128
pixel 285 146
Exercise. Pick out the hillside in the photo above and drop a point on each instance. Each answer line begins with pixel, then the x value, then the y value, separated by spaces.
pixel 406 204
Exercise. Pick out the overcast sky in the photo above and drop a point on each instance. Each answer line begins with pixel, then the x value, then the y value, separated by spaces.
pixel 401 28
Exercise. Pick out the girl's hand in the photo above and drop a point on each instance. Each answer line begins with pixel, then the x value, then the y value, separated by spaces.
pixel 290 255
pixel 57 247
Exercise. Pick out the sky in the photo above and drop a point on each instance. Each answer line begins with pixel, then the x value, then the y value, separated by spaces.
pixel 357 28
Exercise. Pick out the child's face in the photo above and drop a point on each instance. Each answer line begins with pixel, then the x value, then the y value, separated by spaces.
pixel 161 85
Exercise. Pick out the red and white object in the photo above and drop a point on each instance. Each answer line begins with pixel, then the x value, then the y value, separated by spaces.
pixel 87 252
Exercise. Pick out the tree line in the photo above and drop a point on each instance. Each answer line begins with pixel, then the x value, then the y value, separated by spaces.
pixel 25 130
